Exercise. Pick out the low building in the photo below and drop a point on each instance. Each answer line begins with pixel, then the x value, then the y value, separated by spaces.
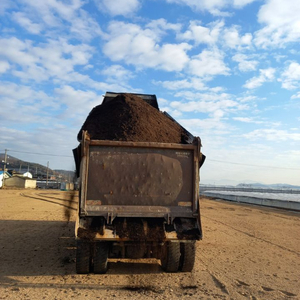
pixel 67 186
pixel 6 175
pixel 20 182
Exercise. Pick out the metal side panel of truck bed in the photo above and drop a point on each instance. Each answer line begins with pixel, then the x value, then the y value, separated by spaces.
pixel 137 179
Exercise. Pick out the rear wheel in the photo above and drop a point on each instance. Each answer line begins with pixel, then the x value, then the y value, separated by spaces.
pixel 170 257
pixel 188 254
pixel 83 257
pixel 101 257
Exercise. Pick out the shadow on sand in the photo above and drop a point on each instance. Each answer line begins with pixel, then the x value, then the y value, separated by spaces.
pixel 47 248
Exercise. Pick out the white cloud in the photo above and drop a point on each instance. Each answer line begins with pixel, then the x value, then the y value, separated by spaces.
pixel 162 101
pixel 161 26
pixel 247 120
pixel 73 99
pixel 174 113
pixel 192 83
pixel 217 89
pixel 201 34
pixel 4 66
pixel 245 65
pixel 118 7
pixel 241 3
pixel 291 76
pixel 47 15
pixel 49 9
pixel 213 6
pixel 215 109
pixel 232 38
pixel 296 96
pixel 272 135
pixel 55 59
pixel 4 5
pixel 209 96
pixel 279 57
pixel 117 73
pixel 173 57
pixel 26 23
pixel 134 45
pixel 85 27
pixel 216 32
pixel 24 93
pixel 193 125
pixel 266 75
pixel 246 39
pixel 21 105
pixel 281 20
pixel 214 104
pixel 249 98
pixel 14 50
pixel 208 63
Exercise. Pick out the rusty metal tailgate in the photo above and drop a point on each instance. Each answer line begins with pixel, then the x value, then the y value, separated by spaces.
pixel 139 179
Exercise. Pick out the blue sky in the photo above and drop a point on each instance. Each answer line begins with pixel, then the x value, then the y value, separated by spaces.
pixel 227 70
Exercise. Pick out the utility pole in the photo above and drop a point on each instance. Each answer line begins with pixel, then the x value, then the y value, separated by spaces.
pixel 5 158
pixel 47 173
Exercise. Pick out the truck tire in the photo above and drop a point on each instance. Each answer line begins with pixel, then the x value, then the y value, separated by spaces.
pixel 170 257
pixel 188 254
pixel 83 257
pixel 101 257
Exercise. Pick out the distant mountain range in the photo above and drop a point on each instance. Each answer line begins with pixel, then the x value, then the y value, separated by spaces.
pixel 272 186
pixel 37 170
pixel 231 183
pixel 247 183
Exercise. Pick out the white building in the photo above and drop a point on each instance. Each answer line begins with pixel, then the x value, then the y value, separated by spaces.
pixel 6 176
pixel 27 174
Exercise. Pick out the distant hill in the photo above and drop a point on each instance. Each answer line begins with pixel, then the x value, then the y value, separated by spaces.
pixel 37 170
pixel 268 186
pixel 67 174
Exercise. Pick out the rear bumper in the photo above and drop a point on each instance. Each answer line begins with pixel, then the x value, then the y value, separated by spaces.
pixel 138 230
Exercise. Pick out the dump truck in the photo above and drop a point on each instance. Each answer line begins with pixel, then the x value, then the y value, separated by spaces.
pixel 137 200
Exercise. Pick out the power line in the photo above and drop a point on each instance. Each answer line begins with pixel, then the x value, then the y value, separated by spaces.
pixel 219 161
pixel 261 166
pixel 45 154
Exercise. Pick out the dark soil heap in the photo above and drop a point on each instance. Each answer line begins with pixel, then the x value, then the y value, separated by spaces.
pixel 130 118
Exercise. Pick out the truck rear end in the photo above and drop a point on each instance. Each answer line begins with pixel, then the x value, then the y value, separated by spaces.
pixel 137 200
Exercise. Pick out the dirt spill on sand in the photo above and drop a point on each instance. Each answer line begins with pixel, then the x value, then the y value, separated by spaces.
pixel 141 288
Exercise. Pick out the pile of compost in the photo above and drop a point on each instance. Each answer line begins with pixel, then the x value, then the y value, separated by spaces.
pixel 129 118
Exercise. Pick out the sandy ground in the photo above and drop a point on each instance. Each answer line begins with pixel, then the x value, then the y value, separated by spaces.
pixel 247 252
